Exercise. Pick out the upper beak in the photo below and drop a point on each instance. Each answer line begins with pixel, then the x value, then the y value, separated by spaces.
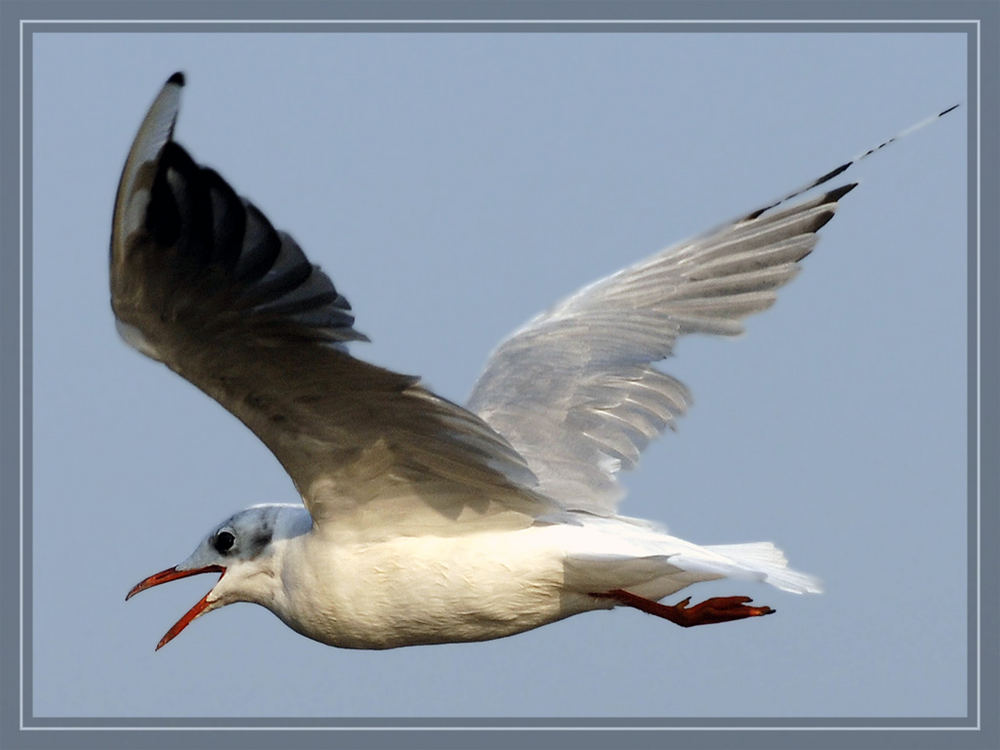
pixel 172 574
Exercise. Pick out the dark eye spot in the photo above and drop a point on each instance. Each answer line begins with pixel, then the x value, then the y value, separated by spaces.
pixel 223 541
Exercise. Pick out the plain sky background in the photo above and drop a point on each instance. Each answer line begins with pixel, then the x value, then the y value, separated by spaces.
pixel 453 185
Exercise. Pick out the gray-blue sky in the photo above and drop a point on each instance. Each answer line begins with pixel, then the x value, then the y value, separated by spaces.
pixel 453 185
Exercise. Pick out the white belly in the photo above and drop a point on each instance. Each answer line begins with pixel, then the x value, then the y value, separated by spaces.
pixel 420 590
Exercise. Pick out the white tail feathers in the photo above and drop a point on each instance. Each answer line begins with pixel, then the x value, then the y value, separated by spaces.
pixel 764 559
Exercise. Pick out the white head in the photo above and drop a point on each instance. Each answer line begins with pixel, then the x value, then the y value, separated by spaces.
pixel 242 549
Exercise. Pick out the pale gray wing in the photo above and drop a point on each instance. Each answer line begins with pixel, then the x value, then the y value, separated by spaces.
pixel 575 390
pixel 202 282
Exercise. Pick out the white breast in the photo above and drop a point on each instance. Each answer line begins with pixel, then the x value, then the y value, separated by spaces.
pixel 420 590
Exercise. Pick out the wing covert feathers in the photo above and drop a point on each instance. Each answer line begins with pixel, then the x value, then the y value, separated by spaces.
pixel 202 281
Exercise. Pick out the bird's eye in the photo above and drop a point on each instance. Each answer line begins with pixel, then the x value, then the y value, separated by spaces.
pixel 223 541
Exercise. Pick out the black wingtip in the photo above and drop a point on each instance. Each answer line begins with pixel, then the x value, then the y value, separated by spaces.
pixel 831 174
pixel 756 214
pixel 953 106
pixel 835 195
pixel 177 78
pixel 821 221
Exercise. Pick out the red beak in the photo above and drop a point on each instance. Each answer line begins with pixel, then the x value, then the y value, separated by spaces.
pixel 172 574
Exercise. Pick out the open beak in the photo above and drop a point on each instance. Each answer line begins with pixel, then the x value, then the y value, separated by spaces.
pixel 173 574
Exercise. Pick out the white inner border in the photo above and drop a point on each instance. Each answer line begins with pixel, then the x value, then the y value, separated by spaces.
pixel 360 21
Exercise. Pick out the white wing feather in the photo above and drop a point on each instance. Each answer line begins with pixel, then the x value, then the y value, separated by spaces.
pixel 575 390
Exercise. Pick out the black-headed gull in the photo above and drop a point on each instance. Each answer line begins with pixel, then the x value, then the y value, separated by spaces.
pixel 425 521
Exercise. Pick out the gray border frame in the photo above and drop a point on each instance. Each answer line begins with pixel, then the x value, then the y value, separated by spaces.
pixel 19 19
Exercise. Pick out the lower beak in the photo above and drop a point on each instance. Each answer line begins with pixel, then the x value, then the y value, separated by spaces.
pixel 173 574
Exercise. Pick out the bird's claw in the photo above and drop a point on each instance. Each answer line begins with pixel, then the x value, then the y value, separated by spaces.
pixel 716 609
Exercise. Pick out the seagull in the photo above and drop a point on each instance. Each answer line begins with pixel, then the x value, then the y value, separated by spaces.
pixel 423 521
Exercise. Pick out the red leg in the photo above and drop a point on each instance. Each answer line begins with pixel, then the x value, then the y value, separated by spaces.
pixel 716 609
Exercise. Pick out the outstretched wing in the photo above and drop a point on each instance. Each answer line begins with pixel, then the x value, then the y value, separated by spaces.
pixel 575 390
pixel 202 282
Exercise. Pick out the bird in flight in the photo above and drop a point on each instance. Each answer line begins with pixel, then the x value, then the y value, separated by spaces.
pixel 425 521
